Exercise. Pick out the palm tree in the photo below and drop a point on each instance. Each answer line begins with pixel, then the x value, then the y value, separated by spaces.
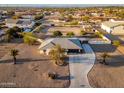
pixel 14 53
pixel 104 56
pixel 57 54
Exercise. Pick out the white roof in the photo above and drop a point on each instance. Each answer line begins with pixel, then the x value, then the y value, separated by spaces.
pixel 113 23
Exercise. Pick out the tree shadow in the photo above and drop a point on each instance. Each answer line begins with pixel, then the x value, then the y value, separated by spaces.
pixel 21 61
pixel 113 61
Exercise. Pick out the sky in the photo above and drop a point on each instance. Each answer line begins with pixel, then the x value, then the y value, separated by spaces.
pixel 57 5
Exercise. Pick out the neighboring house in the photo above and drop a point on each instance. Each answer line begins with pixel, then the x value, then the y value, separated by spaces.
pixel 2 35
pixel 2 32
pixel 113 27
pixel 71 45
pixel 31 17
pixel 22 23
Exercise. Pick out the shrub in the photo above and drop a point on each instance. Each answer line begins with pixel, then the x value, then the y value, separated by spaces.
pixel 52 75
pixel 74 23
pixel 99 34
pixel 70 34
pixel 82 32
pixel 116 43
pixel 57 33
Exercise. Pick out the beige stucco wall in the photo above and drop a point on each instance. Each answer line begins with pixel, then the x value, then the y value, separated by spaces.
pixel 118 30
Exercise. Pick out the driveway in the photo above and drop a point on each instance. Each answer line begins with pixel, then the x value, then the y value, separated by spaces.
pixel 80 65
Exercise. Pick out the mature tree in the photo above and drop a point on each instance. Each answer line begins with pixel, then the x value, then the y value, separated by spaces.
pixel 57 34
pixel 14 53
pixel 70 34
pixel 57 54
pixel 16 31
pixel 13 33
pixel 104 56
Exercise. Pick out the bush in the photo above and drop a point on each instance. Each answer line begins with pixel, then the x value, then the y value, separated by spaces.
pixel 70 34
pixel 57 33
pixel 116 43
pixel 52 75
pixel 85 18
pixel 82 32
pixel 74 23
pixel 99 34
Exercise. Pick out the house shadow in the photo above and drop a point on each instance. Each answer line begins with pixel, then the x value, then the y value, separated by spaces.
pixel 21 61
pixel 116 61
pixel 114 37
pixel 13 41
pixel 102 48
pixel 64 77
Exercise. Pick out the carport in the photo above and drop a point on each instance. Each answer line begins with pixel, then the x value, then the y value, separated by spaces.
pixel 73 51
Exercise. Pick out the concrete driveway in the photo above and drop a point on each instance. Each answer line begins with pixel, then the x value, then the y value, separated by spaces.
pixel 80 65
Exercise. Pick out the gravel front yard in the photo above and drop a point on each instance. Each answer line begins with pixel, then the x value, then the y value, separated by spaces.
pixel 31 70
pixel 107 76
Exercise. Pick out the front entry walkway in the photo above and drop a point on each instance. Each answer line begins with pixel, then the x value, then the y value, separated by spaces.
pixel 80 65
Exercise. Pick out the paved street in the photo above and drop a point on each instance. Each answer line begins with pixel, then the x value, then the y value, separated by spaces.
pixel 80 65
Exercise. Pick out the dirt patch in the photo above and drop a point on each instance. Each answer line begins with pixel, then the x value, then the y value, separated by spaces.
pixel 64 30
pixel 30 70
pixel 5 48
pixel 107 76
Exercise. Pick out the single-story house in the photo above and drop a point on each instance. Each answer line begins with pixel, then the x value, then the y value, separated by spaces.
pixel 71 45
pixel 22 23
pixel 31 17
pixel 113 27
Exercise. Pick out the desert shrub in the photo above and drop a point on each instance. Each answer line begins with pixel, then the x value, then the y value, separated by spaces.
pixel 70 34
pixel 74 23
pixel 57 33
pixel 52 75
pixel 82 32
pixel 116 43
pixel 98 34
